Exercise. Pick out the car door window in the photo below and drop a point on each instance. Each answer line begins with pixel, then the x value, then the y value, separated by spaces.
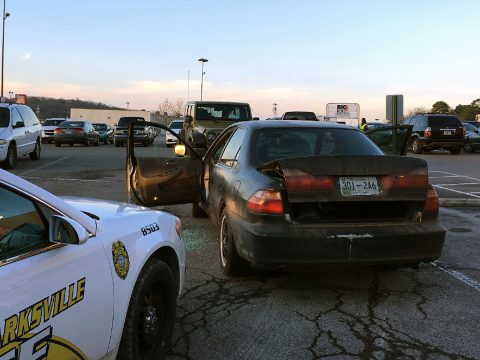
pixel 29 118
pixel 22 225
pixel 232 149
pixel 16 117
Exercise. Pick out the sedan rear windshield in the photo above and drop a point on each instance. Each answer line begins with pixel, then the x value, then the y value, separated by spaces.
pixel 300 115
pixel 279 143
pixel 52 122
pixel 100 127
pixel 4 117
pixel 443 121
pixel 71 124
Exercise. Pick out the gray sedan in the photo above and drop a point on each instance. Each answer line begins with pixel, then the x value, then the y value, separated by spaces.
pixel 76 132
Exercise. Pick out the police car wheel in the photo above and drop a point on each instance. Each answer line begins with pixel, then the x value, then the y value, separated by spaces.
pixel 232 264
pixel 151 314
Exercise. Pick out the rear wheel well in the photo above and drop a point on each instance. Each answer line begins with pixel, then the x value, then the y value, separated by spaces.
pixel 169 256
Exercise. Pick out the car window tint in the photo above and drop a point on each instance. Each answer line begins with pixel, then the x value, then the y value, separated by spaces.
pixel 100 127
pixel 230 154
pixel 176 125
pixel 4 117
pixel 300 115
pixel 28 116
pixel 124 121
pixel 222 112
pixel 52 122
pixel 72 124
pixel 22 228
pixel 16 116
pixel 277 143
pixel 443 121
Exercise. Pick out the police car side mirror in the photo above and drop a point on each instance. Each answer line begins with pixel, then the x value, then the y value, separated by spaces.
pixel 64 230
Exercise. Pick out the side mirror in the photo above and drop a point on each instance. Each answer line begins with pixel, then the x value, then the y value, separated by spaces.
pixel 256 118
pixel 64 230
pixel 18 124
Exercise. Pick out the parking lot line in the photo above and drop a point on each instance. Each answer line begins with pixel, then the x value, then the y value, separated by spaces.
pixel 458 275
pixel 44 166
pixel 459 184
pixel 454 175
pixel 458 191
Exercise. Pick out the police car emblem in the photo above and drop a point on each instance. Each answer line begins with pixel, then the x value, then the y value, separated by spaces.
pixel 120 259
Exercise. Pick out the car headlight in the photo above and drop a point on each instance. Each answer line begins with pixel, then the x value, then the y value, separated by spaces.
pixel 3 142
pixel 211 136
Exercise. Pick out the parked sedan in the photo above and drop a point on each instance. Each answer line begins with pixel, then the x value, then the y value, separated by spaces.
pixel 105 131
pixel 472 137
pixel 176 126
pixel 76 132
pixel 298 192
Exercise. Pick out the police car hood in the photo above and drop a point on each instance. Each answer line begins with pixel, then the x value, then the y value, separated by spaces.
pixel 102 208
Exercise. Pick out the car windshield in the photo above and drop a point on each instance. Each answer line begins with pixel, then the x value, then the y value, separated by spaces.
pixel 176 125
pixel 278 143
pixel 235 112
pixel 53 122
pixel 71 124
pixel 100 127
pixel 4 117
pixel 300 115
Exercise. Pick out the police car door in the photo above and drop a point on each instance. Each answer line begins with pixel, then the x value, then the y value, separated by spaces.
pixel 56 299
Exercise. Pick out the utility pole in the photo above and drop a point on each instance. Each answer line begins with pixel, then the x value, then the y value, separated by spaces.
pixel 275 109
pixel 203 61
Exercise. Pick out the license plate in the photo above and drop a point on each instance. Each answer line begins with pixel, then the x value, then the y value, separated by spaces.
pixel 68 132
pixel 359 186
pixel 447 133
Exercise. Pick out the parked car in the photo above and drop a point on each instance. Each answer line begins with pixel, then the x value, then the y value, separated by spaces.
pixel 299 115
pixel 105 131
pixel 48 128
pixel 85 278
pixel 474 123
pixel 142 134
pixel 472 137
pixel 20 133
pixel 298 192
pixel 76 132
pixel 435 131
pixel 176 126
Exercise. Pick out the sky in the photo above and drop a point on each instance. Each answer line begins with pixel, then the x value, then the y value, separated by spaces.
pixel 299 54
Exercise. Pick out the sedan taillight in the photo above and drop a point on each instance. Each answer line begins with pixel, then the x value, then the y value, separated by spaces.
pixel 57 131
pixel 266 202
pixel 427 132
pixel 432 203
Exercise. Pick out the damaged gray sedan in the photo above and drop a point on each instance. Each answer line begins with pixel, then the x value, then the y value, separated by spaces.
pixel 301 193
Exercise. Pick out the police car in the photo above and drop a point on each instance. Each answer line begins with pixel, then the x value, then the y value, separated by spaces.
pixel 83 278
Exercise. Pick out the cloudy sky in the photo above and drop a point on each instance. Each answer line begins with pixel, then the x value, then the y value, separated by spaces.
pixel 300 54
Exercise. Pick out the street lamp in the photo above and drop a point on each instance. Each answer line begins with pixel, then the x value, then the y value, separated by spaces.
pixel 5 15
pixel 128 104
pixel 203 61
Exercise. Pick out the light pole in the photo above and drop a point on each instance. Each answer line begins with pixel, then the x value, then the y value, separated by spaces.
pixel 203 61
pixel 128 104
pixel 5 15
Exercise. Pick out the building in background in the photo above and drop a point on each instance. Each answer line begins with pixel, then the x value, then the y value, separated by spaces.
pixel 109 117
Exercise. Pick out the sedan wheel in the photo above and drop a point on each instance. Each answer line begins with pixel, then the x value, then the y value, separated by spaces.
pixel 87 142
pixel 35 154
pixel 11 160
pixel 467 147
pixel 232 264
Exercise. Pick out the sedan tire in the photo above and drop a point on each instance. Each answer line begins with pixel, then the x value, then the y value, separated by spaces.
pixel 11 160
pixel 148 327
pixel 467 147
pixel 232 264
pixel 455 151
pixel 87 142
pixel 58 143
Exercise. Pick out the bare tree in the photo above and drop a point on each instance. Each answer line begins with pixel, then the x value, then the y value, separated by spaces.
pixel 416 111
pixel 174 109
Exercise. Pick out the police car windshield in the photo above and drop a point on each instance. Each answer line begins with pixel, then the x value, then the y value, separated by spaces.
pixel 4 117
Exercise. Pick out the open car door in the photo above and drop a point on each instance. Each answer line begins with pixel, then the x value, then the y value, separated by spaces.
pixel 156 175
pixel 392 140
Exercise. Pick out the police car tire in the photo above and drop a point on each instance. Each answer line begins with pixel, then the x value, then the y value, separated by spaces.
pixel 155 282
pixel 231 262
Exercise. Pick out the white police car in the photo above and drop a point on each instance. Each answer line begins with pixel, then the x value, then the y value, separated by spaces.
pixel 84 278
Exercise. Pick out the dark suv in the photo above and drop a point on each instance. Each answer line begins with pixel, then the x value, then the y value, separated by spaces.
pixel 141 133
pixel 435 131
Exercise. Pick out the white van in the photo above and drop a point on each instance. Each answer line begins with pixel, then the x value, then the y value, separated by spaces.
pixel 20 133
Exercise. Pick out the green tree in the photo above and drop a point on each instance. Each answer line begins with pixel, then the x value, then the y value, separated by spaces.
pixel 416 111
pixel 466 112
pixel 440 107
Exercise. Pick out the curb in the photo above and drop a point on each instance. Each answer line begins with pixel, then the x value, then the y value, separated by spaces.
pixel 450 202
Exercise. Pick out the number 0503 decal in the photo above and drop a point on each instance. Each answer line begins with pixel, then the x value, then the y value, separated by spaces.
pixel 147 230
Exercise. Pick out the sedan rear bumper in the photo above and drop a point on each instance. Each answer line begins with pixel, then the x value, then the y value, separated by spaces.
pixel 384 243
